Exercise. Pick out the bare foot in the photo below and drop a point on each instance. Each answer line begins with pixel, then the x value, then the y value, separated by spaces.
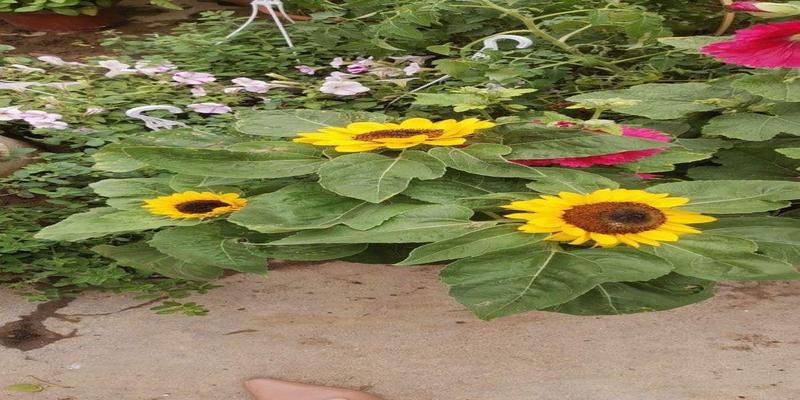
pixel 271 389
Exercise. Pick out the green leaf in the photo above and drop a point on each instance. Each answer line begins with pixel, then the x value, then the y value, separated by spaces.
pixel 732 196
pixel 226 163
pixel 692 43
pixel 777 238
pixel 428 223
pixel 218 244
pixel 615 298
pixel 309 206
pixel 130 194
pixel 24 388
pixel 753 126
pixel 717 258
pixel 145 258
pixel 317 252
pixel 780 84
pixel 476 243
pixel 573 143
pixel 748 163
pixel 487 160
pixel 374 177
pixel 111 158
pixel 661 100
pixel 790 152
pixel 288 123
pixel 103 221
pixel 455 186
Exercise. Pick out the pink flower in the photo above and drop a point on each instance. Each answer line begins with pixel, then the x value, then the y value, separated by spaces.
pixel 26 69
pixel 647 176
pixel 115 68
pixel 360 66
pixel 210 108
pixel 58 61
pixel 193 78
pixel 10 113
pixel 252 85
pixel 605 159
pixel 412 69
pixel 198 92
pixel 743 6
pixel 305 69
pixel 343 88
pixel 93 110
pixel 775 45
pixel 37 116
pixel 143 67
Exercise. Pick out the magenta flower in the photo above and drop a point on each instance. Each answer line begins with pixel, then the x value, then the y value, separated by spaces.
pixel 765 9
pixel 775 45
pixel 210 108
pixel 647 176
pixel 605 159
pixel 193 78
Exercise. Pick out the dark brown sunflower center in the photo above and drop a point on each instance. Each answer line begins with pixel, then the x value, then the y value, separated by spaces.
pixel 398 133
pixel 615 217
pixel 200 206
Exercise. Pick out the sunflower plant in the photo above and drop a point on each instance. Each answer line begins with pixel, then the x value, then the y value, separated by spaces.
pixel 366 187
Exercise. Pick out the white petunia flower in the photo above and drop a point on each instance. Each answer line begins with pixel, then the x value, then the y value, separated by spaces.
pixel 343 88
pixel 115 68
pixel 210 108
pixel 10 113
pixel 25 68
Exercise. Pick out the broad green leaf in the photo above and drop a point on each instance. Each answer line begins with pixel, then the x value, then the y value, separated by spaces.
pixel 475 243
pixel 753 126
pixel 748 163
pixel 777 238
pixel 104 221
pixel 718 258
pixel 317 252
pixel 665 161
pixel 111 158
pixel 732 196
pixel 534 278
pixel 780 84
pixel 226 163
pixel 790 152
pixel 661 100
pixel 614 298
pixel 455 185
pixel 375 177
pixel 273 146
pixel 24 388
pixel 692 43
pixel 309 206
pixel 183 183
pixel 288 123
pixel 218 244
pixel 130 194
pixel 145 258
pixel 487 160
pixel 429 223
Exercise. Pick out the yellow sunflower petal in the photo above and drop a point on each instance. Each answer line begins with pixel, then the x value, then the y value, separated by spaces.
pixel 668 202
pixel 417 123
pixel 627 240
pixel 364 127
pixel 604 239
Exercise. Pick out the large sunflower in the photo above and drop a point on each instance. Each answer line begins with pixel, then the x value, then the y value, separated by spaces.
pixel 366 136
pixel 194 204
pixel 608 217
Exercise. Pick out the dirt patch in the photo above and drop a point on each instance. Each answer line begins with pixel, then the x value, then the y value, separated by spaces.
pixel 30 333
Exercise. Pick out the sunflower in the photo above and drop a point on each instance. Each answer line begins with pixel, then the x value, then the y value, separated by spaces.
pixel 608 217
pixel 367 136
pixel 194 204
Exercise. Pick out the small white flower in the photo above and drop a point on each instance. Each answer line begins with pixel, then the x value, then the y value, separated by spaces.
pixel 234 89
pixel 25 68
pixel 58 61
pixel 39 116
pixel 115 68
pixel 143 67
pixel 210 108
pixel 412 69
pixel 337 62
pixel 193 78
pixel 48 124
pixel 17 86
pixel 10 113
pixel 305 69
pixel 93 110
pixel 343 88
pixel 252 85
pixel 198 91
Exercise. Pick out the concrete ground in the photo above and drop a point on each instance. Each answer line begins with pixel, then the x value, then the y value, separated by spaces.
pixel 395 332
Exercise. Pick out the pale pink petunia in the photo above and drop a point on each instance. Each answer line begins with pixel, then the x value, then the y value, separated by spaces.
pixel 252 85
pixel 605 159
pixel 93 111
pixel 144 67
pixel 115 68
pixel 10 113
pixel 197 91
pixel 35 115
pixel 210 108
pixel 305 69
pixel 360 66
pixel 412 69
pixel 337 62
pixel 343 88
pixel 25 68
pixel 54 60
pixel 775 45
pixel 193 78
pixel 44 124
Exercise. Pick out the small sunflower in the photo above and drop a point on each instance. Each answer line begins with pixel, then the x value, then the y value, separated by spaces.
pixel 608 217
pixel 367 136
pixel 194 204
